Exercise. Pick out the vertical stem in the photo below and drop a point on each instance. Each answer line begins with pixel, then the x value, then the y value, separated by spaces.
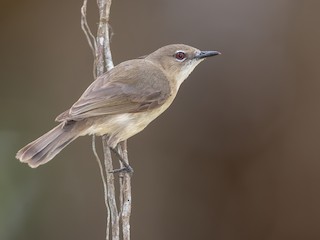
pixel 111 191
pixel 105 189
pixel 104 62
pixel 100 46
pixel 103 52
pixel 125 212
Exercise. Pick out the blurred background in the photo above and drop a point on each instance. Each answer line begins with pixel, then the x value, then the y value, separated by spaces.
pixel 237 156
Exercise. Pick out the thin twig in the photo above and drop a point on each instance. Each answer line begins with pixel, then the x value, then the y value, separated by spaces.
pixel 88 33
pixel 126 195
pixel 86 29
pixel 93 46
pixel 104 62
pixel 100 47
pixel 105 190
pixel 104 57
pixel 111 190
pixel 103 36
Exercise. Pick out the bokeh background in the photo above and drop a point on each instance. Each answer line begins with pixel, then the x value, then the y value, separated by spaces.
pixel 237 156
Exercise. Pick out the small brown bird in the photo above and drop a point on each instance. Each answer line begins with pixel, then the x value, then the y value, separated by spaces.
pixel 121 102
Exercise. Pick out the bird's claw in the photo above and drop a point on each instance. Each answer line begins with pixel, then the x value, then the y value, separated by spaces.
pixel 127 169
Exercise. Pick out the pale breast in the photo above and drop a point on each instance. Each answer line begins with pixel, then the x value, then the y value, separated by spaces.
pixel 120 127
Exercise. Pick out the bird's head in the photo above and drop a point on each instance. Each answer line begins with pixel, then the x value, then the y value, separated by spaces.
pixel 178 60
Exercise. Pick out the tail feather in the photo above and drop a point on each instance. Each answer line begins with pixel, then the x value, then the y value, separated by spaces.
pixel 47 146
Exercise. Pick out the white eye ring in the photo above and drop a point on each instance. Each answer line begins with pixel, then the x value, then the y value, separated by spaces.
pixel 180 56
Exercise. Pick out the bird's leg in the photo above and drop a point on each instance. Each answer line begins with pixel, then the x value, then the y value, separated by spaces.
pixel 127 168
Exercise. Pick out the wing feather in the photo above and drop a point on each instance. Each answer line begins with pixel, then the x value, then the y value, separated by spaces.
pixel 132 86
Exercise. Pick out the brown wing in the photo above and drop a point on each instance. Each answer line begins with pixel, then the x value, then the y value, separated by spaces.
pixel 132 86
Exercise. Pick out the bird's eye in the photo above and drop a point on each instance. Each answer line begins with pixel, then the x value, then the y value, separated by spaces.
pixel 180 56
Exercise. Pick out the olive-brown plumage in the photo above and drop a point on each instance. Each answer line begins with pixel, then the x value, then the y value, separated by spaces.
pixel 121 102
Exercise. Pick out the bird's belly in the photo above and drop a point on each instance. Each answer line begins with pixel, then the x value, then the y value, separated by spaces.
pixel 120 127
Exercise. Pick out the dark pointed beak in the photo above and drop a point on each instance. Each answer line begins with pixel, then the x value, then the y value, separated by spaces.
pixel 205 54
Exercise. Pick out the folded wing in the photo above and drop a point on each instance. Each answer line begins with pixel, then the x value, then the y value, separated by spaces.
pixel 132 86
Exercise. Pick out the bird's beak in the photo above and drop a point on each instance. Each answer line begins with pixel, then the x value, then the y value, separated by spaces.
pixel 205 54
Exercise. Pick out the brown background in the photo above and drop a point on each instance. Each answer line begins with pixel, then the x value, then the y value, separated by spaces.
pixel 237 156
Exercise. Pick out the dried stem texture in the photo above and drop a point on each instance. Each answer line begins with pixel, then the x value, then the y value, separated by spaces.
pixel 100 46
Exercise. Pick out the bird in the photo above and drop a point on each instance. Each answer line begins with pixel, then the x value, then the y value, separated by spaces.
pixel 121 102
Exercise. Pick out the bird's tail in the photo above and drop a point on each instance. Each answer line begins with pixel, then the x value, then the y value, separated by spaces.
pixel 46 147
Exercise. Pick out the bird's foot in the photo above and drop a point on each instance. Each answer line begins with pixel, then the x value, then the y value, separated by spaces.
pixel 126 169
